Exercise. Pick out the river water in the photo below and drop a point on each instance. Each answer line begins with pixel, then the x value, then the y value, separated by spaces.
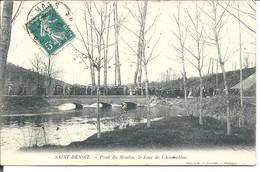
pixel 64 127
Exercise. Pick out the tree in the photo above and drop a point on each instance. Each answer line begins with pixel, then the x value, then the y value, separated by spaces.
pixel 196 33
pixel 37 65
pixel 145 48
pixel 45 65
pixel 50 71
pixel 118 21
pixel 147 57
pixel 105 39
pixel 181 36
pixel 250 13
pixel 217 22
pixel 97 23
pixel 140 18
pixel 241 117
pixel 6 26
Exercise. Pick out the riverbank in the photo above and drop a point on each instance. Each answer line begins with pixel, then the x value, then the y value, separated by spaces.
pixel 25 104
pixel 177 132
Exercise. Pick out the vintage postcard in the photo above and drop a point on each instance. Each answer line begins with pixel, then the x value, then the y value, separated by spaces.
pixel 126 82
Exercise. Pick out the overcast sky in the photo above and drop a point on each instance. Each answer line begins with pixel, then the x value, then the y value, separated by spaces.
pixel 23 48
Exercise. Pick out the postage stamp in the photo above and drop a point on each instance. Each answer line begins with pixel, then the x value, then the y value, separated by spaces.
pixel 49 30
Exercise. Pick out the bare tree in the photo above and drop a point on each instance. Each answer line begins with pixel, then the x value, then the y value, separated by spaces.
pixel 181 36
pixel 6 26
pixel 146 49
pixel 250 12
pixel 7 19
pixel 105 39
pixel 97 22
pixel 241 116
pixel 50 71
pixel 87 42
pixel 217 22
pixel 196 32
pixel 147 57
pixel 140 18
pixel 37 65
pixel 117 26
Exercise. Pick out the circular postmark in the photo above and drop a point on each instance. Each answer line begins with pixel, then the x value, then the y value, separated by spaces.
pixel 47 23
pixel 60 7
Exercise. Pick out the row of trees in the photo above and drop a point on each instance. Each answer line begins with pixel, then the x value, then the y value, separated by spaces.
pixel 46 66
pixel 211 34
pixel 192 38
pixel 96 42
pixel 199 37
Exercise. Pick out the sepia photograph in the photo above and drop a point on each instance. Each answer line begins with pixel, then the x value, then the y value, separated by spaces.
pixel 128 82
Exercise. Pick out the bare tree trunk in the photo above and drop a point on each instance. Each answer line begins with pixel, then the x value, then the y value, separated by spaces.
pixel 195 19
pixel 225 84
pixel 49 75
pixel 136 72
pixel 98 107
pixel 200 108
pixel 138 65
pixel 141 43
pixel 6 26
pixel 241 116
pixel 118 69
pixel 209 65
pixel 227 100
pixel 115 72
pixel 92 72
pixel 105 71
pixel 106 54
pixel 185 89
pixel 147 96
pixel 140 74
pixel 93 78
pixel 117 63
pixel 216 26
pixel 139 56
pixel 212 68
pixel 216 77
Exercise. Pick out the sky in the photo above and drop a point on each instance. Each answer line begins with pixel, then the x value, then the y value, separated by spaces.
pixel 23 48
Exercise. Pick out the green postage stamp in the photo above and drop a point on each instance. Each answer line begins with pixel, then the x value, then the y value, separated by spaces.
pixel 49 30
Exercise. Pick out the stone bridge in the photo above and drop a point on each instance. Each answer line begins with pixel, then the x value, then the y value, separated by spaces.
pixel 111 99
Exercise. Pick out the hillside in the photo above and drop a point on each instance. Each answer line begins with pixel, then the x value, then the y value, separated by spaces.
pixel 20 78
pixel 14 70
pixel 209 80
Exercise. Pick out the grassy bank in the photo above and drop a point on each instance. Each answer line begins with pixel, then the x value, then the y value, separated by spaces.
pixel 169 132
pixel 24 104
pixel 216 108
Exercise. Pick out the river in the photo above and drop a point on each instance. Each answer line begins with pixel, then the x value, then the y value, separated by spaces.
pixel 64 127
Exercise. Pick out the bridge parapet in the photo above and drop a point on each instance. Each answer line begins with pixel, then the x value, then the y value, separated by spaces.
pixel 58 100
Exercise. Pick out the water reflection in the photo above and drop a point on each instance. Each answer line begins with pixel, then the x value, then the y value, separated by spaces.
pixel 61 128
